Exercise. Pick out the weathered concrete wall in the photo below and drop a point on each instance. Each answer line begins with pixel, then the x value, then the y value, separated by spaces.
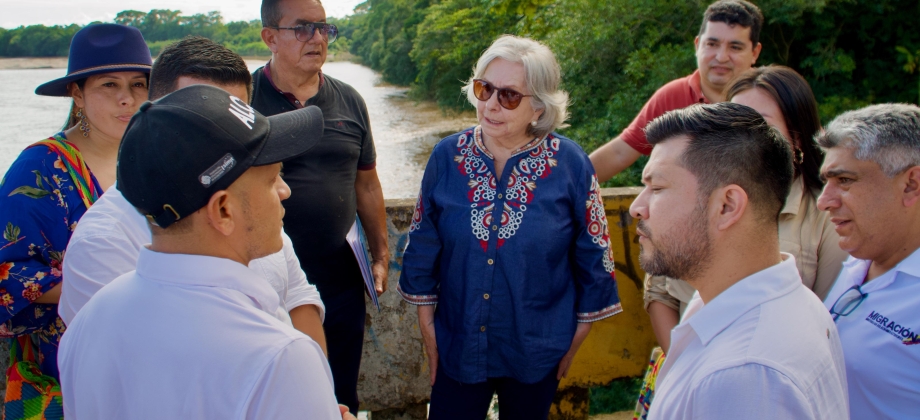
pixel 394 370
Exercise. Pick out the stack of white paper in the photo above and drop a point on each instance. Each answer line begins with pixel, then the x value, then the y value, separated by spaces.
pixel 358 241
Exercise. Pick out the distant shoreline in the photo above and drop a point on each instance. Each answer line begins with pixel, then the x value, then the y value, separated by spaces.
pixel 31 63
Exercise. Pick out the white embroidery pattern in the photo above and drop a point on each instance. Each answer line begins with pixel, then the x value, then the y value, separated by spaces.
pixel 518 193
pixel 596 220
pixel 417 216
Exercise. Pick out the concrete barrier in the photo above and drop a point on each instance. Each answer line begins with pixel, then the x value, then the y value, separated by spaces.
pixel 393 382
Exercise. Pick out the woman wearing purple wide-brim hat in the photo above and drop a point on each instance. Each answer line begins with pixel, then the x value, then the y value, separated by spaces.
pixel 53 182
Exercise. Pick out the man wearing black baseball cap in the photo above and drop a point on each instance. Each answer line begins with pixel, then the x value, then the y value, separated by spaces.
pixel 194 333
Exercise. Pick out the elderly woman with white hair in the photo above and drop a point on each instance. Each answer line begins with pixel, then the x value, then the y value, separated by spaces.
pixel 508 257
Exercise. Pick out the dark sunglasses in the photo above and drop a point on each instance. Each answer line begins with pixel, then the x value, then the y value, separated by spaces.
pixel 304 32
pixel 848 302
pixel 507 98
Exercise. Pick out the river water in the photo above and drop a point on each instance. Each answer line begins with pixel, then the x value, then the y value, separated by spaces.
pixel 404 131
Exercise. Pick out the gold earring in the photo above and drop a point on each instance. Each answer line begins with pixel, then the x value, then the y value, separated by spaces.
pixel 84 126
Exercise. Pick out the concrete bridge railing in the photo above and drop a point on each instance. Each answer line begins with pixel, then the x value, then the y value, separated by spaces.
pixel 393 383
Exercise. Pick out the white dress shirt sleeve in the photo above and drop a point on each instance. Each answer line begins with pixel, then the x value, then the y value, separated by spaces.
pixel 90 263
pixel 300 291
pixel 296 384
pixel 751 392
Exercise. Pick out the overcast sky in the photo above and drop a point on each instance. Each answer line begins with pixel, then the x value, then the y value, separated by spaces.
pixel 61 12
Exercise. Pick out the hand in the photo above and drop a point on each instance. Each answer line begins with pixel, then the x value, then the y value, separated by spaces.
pixel 346 415
pixel 432 362
pixel 565 364
pixel 581 332
pixel 380 271
pixel 426 326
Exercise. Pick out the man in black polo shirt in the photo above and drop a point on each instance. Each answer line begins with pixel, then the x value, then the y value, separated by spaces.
pixel 329 186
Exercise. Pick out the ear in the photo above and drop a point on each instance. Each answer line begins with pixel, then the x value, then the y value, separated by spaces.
pixel 537 113
pixel 220 213
pixel 757 49
pixel 696 43
pixel 911 186
pixel 268 37
pixel 76 94
pixel 731 204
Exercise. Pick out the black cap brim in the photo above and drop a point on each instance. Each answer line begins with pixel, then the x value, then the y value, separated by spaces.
pixel 291 134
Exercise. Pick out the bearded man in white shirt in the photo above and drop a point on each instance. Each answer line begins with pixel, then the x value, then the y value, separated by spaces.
pixel 195 333
pixel 754 343
pixel 872 169
pixel 109 237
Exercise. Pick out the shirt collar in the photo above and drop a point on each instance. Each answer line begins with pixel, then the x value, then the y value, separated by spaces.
pixel 750 292
pixel 696 87
pixel 199 270
pixel 267 71
pixel 477 139
pixel 854 272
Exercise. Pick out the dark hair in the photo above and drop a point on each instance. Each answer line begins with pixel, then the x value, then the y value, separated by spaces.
pixel 72 119
pixel 200 58
pixel 731 144
pixel 270 13
pixel 800 112
pixel 735 12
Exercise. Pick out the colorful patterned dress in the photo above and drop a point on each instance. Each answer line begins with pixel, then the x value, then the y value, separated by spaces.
pixel 513 260
pixel 42 195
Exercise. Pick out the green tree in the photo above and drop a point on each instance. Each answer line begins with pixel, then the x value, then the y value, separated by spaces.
pixel 450 40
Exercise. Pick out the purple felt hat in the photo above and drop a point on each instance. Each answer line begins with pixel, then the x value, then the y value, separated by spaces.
pixel 101 48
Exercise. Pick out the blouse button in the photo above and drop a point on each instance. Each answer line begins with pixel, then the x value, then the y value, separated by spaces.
pixel 499 196
pixel 485 296
pixel 482 328
pixel 494 227
pixel 490 261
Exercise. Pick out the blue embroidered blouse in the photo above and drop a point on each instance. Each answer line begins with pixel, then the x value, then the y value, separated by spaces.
pixel 512 263
pixel 39 209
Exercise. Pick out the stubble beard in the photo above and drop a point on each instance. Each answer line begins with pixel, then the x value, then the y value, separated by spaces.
pixel 679 255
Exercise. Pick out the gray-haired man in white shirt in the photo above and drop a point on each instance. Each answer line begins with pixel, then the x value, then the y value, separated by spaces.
pixel 754 343
pixel 873 197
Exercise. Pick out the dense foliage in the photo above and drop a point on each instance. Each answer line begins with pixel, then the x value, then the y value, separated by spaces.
pixel 160 27
pixel 616 53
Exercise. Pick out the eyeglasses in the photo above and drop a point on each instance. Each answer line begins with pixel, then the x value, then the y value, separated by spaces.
pixel 304 32
pixel 507 98
pixel 848 302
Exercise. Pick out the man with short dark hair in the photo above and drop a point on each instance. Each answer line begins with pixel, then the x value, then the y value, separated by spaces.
pixel 193 332
pixel 872 168
pixel 728 44
pixel 332 183
pixel 754 343
pixel 110 236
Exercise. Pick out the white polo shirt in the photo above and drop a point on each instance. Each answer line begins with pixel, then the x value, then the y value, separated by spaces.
pixel 881 340
pixel 190 337
pixel 766 348
pixel 109 237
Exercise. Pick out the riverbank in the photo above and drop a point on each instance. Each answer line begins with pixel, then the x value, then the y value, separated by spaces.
pixel 30 63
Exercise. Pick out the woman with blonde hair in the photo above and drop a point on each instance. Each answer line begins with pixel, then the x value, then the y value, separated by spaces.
pixel 508 257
